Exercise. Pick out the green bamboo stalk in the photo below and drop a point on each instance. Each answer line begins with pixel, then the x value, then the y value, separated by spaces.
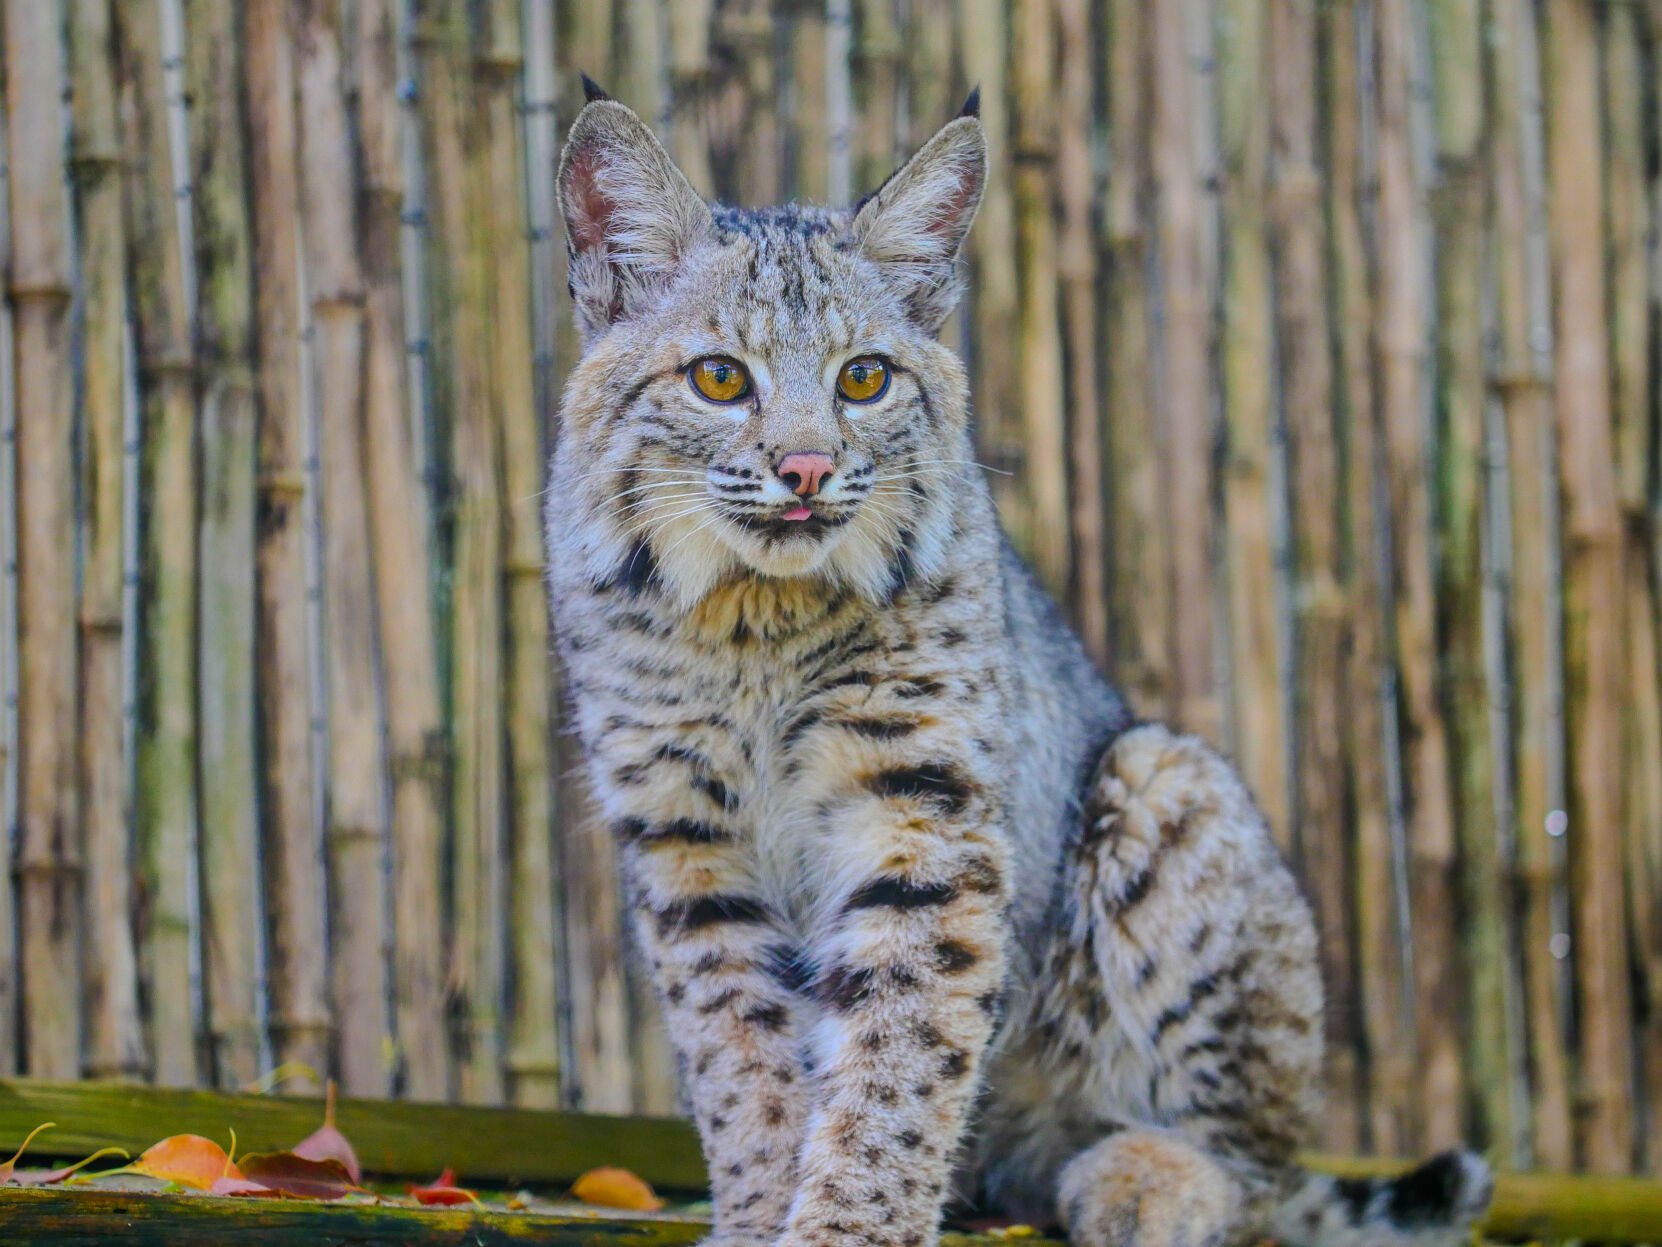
pixel 1380 893
pixel 49 860
pixel 225 610
pixel 1457 205
pixel 356 819
pixel 401 533
pixel 1253 467
pixel 1595 664
pixel 114 1030
pixel 165 809
pixel 293 858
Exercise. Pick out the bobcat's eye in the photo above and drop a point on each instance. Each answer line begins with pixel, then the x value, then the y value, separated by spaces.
pixel 863 380
pixel 719 379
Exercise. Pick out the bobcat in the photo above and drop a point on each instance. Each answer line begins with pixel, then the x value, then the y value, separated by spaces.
pixel 930 913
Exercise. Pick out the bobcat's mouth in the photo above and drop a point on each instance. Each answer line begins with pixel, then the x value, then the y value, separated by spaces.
pixel 782 526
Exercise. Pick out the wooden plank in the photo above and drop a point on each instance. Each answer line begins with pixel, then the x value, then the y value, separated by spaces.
pixel 395 1138
pixel 144 1220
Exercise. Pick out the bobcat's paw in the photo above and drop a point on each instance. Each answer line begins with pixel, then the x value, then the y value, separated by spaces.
pixel 1146 1188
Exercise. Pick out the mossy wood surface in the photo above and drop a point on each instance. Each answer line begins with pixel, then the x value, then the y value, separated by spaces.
pixel 492 1147
pixel 392 1138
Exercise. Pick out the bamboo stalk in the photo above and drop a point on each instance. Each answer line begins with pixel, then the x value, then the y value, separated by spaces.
pixel 1139 529
pixel 877 89
pixel 691 82
pixel 1595 670
pixel 1254 471
pixel 356 819
pixel 1040 400
pixel 1458 205
pixel 225 610
pixel 1315 475
pixel 49 861
pixel 934 91
pixel 10 1039
pixel 1380 890
pixel 114 1032
pixel 645 81
pixel 1076 272
pixel 165 808
pixel 401 532
pixel 532 1057
pixel 994 375
pixel 1400 357
pixel 293 857
pixel 1183 373
pixel 1521 380
pixel 1632 399
pixel 754 139
pixel 808 145
pixel 839 103
pixel 463 335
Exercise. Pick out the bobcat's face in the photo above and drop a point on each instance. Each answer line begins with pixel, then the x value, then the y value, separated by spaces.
pixel 759 390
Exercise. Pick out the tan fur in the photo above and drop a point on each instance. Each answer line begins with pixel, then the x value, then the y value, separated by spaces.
pixel 870 795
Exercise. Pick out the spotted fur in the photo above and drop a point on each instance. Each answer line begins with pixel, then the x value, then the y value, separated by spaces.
pixel 898 857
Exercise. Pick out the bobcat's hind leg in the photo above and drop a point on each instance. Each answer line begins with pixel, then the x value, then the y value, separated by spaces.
pixel 1148 1188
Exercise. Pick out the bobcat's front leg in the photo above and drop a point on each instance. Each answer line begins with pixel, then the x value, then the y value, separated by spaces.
pixel 716 955
pixel 911 960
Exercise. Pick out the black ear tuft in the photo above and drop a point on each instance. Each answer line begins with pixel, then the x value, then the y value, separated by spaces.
pixel 972 106
pixel 592 90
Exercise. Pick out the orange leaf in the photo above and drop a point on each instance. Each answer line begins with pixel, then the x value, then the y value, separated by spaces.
pixel 327 1143
pixel 187 1159
pixel 443 1191
pixel 611 1187
pixel 299 1176
pixel 9 1166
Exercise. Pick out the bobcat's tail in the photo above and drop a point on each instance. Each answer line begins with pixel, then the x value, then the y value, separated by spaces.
pixel 1432 1205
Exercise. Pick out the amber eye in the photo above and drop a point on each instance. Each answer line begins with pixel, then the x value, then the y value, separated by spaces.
pixel 719 379
pixel 863 380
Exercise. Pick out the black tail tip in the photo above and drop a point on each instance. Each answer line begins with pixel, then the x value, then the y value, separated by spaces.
pixel 592 90
pixel 972 106
pixel 1451 1187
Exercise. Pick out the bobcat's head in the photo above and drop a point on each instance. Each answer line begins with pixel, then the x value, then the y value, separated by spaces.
pixel 761 390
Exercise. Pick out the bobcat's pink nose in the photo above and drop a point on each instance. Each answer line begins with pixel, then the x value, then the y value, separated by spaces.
pixel 803 470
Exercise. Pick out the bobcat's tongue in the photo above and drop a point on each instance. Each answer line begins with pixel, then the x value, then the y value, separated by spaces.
pixel 798 513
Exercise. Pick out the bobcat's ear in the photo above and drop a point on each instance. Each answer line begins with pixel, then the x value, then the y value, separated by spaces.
pixel 914 224
pixel 631 215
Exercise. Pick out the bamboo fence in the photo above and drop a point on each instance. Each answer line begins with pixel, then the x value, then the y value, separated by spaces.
pixel 1317 351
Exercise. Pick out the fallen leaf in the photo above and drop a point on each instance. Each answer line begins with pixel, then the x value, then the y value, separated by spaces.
pixel 443 1191
pixel 187 1159
pixel 610 1187
pixel 47 1177
pixel 300 1176
pixel 327 1143
pixel 243 1187
pixel 7 1169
